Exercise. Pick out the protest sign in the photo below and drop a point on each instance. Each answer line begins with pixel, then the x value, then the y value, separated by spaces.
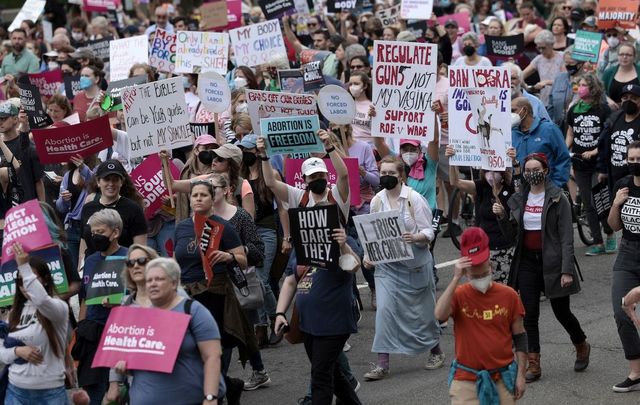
pixel 146 338
pixel 162 55
pixel 404 83
pixel 461 18
pixel 147 177
pixel 586 46
pixel 47 31
pixel 58 145
pixel 291 134
pixel 303 7
pixel 463 136
pixel 208 235
pixel 617 13
pixel 124 53
pixel 258 44
pixel 198 52
pixel 312 77
pixel 51 256
pixel 336 6
pixel 71 86
pixel 31 10
pixel 313 243
pixel 72 119
pixel 213 15
pixel 310 55
pixel 30 101
pixel 113 99
pixel 48 82
pixel 389 16
pixel 100 6
pixel 234 15
pixel 101 48
pixel 268 104
pixel 416 9
pixel 505 46
pixel 106 282
pixel 336 104
pixel 290 81
pixel 198 129
pixel 601 200
pixel 156 117
pixel 274 9
pixel 381 237
pixel 25 224
pixel 293 176
pixel 214 92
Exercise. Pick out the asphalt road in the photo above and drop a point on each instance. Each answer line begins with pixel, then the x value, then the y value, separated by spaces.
pixel 409 383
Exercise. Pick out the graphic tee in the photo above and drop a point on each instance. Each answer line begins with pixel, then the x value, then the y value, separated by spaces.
pixel 533 212
pixel 586 129
pixel 630 210
pixel 622 135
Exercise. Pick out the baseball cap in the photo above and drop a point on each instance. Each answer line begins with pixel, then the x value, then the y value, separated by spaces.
pixel 83 53
pixel 631 88
pixel 205 139
pixel 451 23
pixel 248 141
pixel 8 109
pixel 413 142
pixel 406 36
pixel 474 244
pixel 590 21
pixel 229 151
pixel 488 20
pixel 111 166
pixel 313 165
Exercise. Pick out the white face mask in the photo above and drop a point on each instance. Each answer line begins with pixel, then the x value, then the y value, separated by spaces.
pixel 515 120
pixel 356 91
pixel 242 108
pixel 53 65
pixel 240 82
pixel 613 42
pixel 77 36
pixel 481 284
pixel 410 158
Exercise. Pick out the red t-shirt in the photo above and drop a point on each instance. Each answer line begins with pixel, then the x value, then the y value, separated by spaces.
pixel 482 327
pixel 81 104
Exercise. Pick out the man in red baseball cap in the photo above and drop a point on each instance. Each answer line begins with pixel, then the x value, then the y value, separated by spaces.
pixel 487 324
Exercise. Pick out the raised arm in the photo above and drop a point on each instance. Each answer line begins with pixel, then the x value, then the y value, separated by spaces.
pixel 276 186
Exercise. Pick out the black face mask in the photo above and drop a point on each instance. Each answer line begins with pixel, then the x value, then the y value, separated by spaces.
pixel 317 186
pixel 100 242
pixel 206 157
pixel 634 169
pixel 469 50
pixel 388 182
pixel 589 13
pixel 572 69
pixel 629 107
pixel 249 158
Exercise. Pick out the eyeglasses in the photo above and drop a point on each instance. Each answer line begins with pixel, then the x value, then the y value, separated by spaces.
pixel 567 8
pixel 612 34
pixel 140 260
pixel 357 67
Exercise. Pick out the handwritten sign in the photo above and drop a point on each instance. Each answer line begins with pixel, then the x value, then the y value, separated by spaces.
pixel 291 135
pixel 162 55
pixel 147 177
pixel 389 16
pixel 490 111
pixel 416 9
pixel 313 227
pixel 312 76
pixel 47 83
pixel 505 46
pixel 31 10
pixel 586 46
pixel 268 104
pixel 381 237
pixel 336 104
pixel 214 15
pixel 198 52
pixel 124 53
pixel 621 13
pixel 293 176
pixel 258 44
pixel 214 92
pixel 404 83
pixel 101 48
pixel 25 224
pixel 156 117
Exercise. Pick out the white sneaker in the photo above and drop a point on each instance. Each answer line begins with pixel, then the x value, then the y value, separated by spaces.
pixel 376 373
pixel 346 347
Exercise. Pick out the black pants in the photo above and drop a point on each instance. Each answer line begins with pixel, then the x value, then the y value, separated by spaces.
pixel 326 377
pixel 530 284
pixel 585 181
pixel 626 276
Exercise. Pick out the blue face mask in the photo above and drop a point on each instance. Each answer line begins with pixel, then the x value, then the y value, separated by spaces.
pixel 85 82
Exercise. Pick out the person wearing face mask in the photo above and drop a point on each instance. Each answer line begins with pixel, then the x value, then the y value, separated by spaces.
pixel 421 168
pixel 562 93
pixel 614 37
pixel 360 89
pixel 625 72
pixel 540 224
pixel 90 93
pixel 470 44
pixel 483 343
pixel 405 290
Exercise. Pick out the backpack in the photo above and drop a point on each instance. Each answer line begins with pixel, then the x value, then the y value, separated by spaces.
pixel 376 204
pixel 304 201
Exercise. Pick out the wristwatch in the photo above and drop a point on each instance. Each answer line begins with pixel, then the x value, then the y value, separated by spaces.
pixel 210 397
pixel 623 302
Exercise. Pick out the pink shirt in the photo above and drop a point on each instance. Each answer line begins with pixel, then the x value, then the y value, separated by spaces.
pixel 361 124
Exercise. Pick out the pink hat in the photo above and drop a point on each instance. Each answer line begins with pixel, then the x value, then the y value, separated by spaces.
pixel 205 139
pixel 413 142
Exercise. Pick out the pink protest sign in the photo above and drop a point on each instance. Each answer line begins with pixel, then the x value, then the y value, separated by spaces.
pixel 461 18
pixel 146 338
pixel 294 176
pixel 24 223
pixel 234 15
pixel 100 5
pixel 47 82
pixel 147 178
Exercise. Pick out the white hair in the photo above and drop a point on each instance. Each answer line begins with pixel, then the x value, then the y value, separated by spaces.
pixel 544 37
pixel 513 69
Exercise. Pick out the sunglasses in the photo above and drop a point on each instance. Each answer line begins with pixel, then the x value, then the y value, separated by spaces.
pixel 567 8
pixel 357 67
pixel 140 260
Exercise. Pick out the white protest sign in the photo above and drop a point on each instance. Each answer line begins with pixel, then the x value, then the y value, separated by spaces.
pixel 491 113
pixel 269 104
pixel 162 54
pixel 257 44
pixel 416 9
pixel 156 117
pixel 381 237
pixel 336 104
pixel 201 52
pixel 214 92
pixel 389 16
pixel 404 84
pixel 31 10
pixel 463 132
pixel 126 52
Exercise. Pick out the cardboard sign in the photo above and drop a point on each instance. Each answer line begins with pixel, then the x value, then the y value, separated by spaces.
pixel 461 18
pixel 312 76
pixel 274 9
pixel 337 105
pixel 404 83
pixel 586 46
pixel 31 10
pixel 213 15
pixel 208 128
pixel 293 176
pixel 601 200
pixel 198 52
pixel 491 111
pixel 71 86
pixel 214 92
pixel 258 44
pixel 291 135
pixel 30 101
pixel 290 81
pixel 101 48
pixel 620 13
pixel 313 242
pixel 146 338
pixel 58 145
pixel 100 6
pixel 389 16
pixel 147 177
pixel 114 90
pixel 51 255
pixel 381 237
pixel 162 55
pixel 208 234
pixel 156 116
pixel 505 46
pixel 126 52
pixel 25 224
pixel 268 104
pixel 416 9
pixel 48 82
pixel 106 281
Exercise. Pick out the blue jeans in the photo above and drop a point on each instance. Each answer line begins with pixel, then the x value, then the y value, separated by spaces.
pixel 270 240
pixel 159 242
pixel 20 396
pixel 74 234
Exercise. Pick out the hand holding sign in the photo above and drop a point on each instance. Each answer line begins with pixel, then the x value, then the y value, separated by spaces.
pixel 336 104
pixel 22 257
